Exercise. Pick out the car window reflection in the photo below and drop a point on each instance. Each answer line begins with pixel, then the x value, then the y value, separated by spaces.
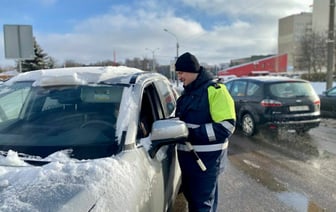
pixel 55 118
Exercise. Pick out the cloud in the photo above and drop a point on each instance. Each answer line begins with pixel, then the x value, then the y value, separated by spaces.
pixel 239 8
pixel 215 31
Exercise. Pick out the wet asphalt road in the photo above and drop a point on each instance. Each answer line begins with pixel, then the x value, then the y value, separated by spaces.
pixel 279 172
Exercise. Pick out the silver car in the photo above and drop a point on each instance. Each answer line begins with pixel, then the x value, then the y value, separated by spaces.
pixel 89 139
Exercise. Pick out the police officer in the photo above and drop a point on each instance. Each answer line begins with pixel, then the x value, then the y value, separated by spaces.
pixel 208 110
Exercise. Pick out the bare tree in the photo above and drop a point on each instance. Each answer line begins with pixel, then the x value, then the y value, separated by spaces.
pixel 313 52
pixel 143 64
pixel 72 63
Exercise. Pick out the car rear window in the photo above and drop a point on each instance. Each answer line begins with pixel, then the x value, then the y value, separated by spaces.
pixel 291 89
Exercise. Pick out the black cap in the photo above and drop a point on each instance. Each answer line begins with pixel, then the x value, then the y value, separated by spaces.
pixel 187 63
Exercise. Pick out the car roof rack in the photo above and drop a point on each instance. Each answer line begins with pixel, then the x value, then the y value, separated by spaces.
pixel 134 77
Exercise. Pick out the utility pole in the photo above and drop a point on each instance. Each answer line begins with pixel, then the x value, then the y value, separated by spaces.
pixel 153 57
pixel 177 53
pixel 330 43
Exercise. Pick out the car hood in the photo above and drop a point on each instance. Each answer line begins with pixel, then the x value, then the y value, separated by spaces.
pixel 72 185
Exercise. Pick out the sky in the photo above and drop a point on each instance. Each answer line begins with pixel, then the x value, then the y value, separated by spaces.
pixel 215 31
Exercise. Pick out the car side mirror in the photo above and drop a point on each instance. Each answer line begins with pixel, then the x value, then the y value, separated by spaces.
pixel 165 132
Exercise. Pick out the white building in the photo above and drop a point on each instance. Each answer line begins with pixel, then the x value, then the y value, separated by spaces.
pixel 291 30
pixel 293 27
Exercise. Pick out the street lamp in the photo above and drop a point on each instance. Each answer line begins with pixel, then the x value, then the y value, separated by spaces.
pixel 177 47
pixel 153 57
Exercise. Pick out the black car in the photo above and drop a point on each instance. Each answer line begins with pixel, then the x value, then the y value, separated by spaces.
pixel 328 103
pixel 274 102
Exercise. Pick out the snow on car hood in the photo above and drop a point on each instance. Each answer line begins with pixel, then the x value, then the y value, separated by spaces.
pixel 100 184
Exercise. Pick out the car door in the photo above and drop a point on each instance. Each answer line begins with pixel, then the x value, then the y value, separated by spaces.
pixel 328 101
pixel 237 89
pixel 253 97
pixel 158 102
pixel 167 101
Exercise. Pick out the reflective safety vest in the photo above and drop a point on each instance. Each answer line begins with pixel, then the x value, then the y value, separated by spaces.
pixel 210 116
pixel 204 148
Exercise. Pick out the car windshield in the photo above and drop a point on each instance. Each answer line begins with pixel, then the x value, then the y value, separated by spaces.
pixel 332 92
pixel 39 121
pixel 291 89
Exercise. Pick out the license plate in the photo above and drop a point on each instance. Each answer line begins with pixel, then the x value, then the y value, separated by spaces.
pixel 299 108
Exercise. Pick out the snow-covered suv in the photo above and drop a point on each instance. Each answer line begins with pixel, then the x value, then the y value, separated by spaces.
pixel 89 139
pixel 274 102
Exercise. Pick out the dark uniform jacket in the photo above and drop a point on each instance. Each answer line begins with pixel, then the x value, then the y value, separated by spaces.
pixel 208 110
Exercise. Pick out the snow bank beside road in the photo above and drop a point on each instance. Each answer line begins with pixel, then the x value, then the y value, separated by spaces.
pixel 319 87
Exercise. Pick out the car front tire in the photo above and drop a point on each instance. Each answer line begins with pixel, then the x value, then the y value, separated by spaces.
pixel 248 125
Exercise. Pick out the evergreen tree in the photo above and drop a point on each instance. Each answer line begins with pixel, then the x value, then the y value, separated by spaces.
pixel 41 60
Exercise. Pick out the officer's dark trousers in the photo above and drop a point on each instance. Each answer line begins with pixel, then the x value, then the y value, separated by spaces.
pixel 200 188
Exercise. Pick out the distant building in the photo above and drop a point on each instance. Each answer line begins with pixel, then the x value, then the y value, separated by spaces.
pixel 291 30
pixel 239 61
pixel 265 66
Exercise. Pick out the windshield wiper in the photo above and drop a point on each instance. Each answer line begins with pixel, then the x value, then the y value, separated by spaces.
pixel 30 159
pixel 36 162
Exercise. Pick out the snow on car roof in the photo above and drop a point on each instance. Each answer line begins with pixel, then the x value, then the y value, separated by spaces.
pixel 272 78
pixel 75 75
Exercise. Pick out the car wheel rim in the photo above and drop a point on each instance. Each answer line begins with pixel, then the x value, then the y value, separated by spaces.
pixel 248 125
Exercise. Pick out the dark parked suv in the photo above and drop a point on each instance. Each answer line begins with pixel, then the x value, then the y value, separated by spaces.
pixel 328 103
pixel 274 102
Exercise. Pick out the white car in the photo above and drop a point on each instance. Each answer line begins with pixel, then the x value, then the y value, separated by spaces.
pixel 89 139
